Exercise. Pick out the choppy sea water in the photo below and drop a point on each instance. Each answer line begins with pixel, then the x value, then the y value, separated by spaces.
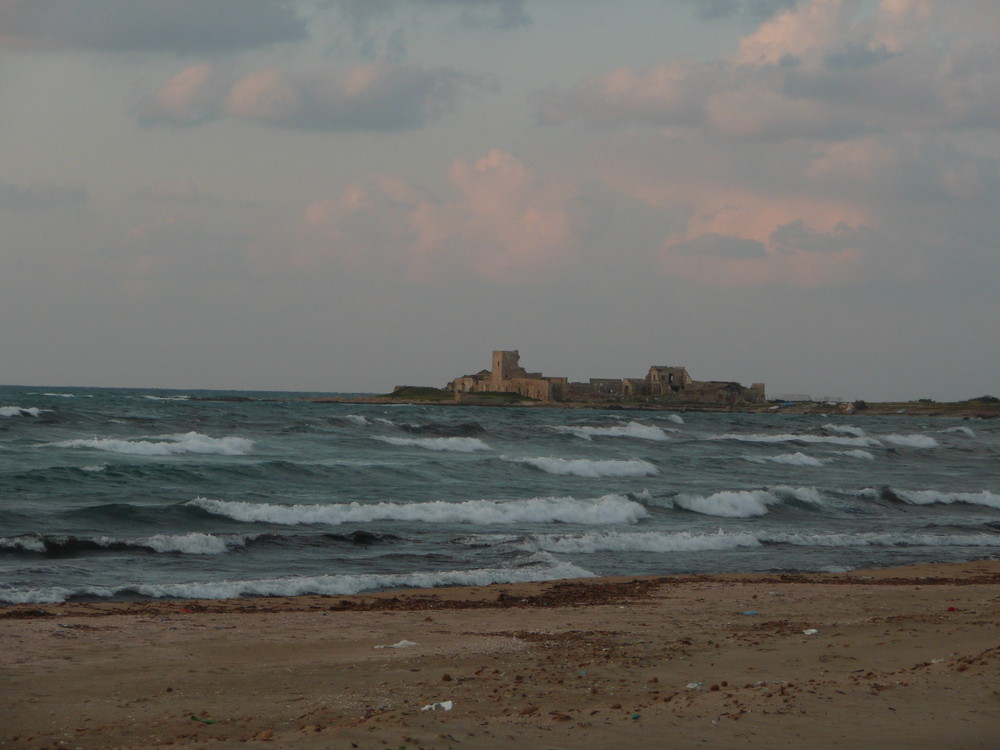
pixel 122 494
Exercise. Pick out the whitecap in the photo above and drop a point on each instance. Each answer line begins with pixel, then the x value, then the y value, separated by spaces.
pixel 20 411
pixel 628 430
pixel 863 455
pixel 844 429
pixel 608 509
pixel 591 469
pixel 644 541
pixel 456 444
pixel 742 503
pixel 911 441
pixel 169 445
pixel 934 497
pixel 963 430
pixel 794 438
pixel 790 459
pixel 675 418
pixel 194 543
pixel 356 418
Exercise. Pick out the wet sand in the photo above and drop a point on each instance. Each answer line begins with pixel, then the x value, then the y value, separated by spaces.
pixel 907 657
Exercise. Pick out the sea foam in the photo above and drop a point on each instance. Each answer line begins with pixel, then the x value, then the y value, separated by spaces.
pixel 456 444
pixel 591 469
pixel 169 445
pixel 644 541
pixel 844 429
pixel 541 567
pixel 609 509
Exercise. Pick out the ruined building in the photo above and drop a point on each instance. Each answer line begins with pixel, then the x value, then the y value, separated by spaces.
pixel 661 383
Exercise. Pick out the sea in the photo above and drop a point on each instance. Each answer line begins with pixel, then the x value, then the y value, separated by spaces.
pixel 126 494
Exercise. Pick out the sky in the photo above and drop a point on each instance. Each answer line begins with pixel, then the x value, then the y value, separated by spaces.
pixel 348 195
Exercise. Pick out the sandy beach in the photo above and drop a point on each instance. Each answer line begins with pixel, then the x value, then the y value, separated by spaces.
pixel 905 657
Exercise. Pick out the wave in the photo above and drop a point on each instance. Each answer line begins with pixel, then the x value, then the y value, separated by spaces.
pixel 963 430
pixel 685 541
pixel 457 444
pixel 934 497
pixel 741 503
pixel 168 398
pixel 629 430
pixel 356 419
pixel 911 441
pixel 795 438
pixel 20 411
pixel 791 459
pixel 444 430
pixel 608 509
pixel 675 418
pixel 540 567
pixel 645 541
pixel 844 429
pixel 170 445
pixel 591 469
pixel 194 543
pixel 863 455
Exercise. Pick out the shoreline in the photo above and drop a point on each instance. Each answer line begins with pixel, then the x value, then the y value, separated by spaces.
pixel 891 657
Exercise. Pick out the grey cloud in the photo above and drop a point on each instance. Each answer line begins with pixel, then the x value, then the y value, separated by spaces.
pixel 40 197
pixel 799 237
pixel 717 245
pixel 182 26
pixel 377 97
pixel 754 10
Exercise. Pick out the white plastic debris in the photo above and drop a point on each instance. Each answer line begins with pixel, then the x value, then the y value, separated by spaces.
pixel 810 631
pixel 694 685
pixel 402 644
pixel 439 706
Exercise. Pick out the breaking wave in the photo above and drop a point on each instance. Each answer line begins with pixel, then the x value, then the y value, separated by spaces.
pixel 629 430
pixel 934 497
pixel 741 503
pixel 541 567
pixel 911 441
pixel 793 438
pixel 457 444
pixel 194 543
pixel 684 541
pixel 591 469
pixel 20 411
pixel 609 509
pixel 863 455
pixel 169 445
pixel 844 429
pixel 963 430
pixel 791 459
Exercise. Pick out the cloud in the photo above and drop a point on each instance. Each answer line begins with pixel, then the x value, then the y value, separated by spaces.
pixel 755 10
pixel 819 69
pixel 179 191
pixel 379 96
pixel 503 223
pixel 181 26
pixel 40 197
pixel 795 254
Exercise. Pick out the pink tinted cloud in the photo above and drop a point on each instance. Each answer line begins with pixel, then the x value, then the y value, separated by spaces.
pixel 503 223
pixel 831 69
pixel 377 96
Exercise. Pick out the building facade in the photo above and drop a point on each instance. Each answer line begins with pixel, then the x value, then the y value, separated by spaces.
pixel 661 383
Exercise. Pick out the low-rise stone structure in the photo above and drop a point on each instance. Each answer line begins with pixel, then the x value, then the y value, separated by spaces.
pixel 661 383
